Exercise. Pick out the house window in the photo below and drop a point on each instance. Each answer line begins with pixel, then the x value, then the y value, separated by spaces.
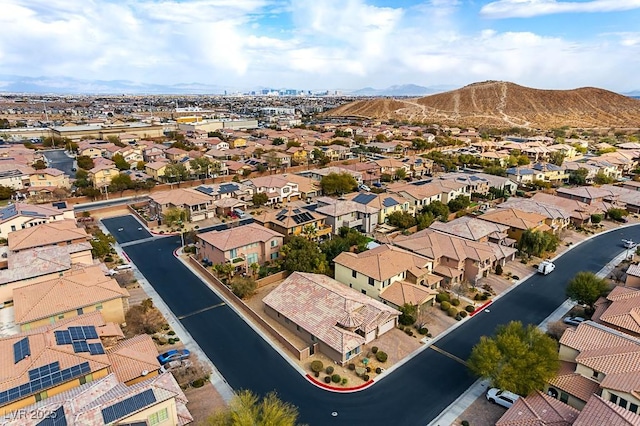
pixel 595 374
pixel 274 256
pixel 233 253
pixel 99 307
pixel 633 407
pixel 61 316
pixel 364 291
pixel 297 327
pixel 159 417
pixel 623 402
pixel 613 398
pixel 252 258
pixel 274 243
pixel 13 227
pixel 80 311
pixel 354 274
pixel 40 396
pixel 564 397
pixel 371 281
pixel 286 320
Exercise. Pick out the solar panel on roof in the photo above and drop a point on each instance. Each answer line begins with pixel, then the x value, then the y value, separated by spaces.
pixel 45 370
pixel 21 350
pixel 63 337
pixel 280 218
pixel 297 211
pixel 205 190
pixel 225 188
pixel 128 406
pixel 388 202
pixel 96 348
pixel 90 332
pixel 57 418
pixel 76 333
pixel 364 198
pixel 283 212
pixel 44 382
pixel 59 204
pixel 80 346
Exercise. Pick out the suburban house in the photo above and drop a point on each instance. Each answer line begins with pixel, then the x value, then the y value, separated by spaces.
pixel 101 175
pixel 517 221
pixel 292 221
pixel 585 194
pixel 131 358
pixel 59 233
pixel 556 217
pixel 72 294
pixel 633 276
pixel 156 169
pixel 347 213
pixel 40 264
pixel 620 310
pixel 307 187
pixel 374 271
pixel 15 176
pixel 222 191
pixel 248 244
pixel 418 196
pixel 539 409
pixel 596 359
pixel 384 203
pixel 579 212
pixel 92 148
pixel 454 258
pixel 318 174
pixel 474 229
pixel 40 364
pixel 48 178
pixel 21 215
pixel 473 183
pixel 176 155
pixel 545 172
pixel 330 317
pixel 197 206
pixel 277 187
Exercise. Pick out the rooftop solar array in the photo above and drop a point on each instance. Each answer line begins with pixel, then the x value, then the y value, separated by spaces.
pixel 302 218
pixel 96 348
pixel 389 202
pixel 21 350
pixel 8 211
pixel 57 418
pixel 205 190
pixel 77 337
pixel 83 332
pixel 226 188
pixel 60 204
pixel 46 370
pixel 364 198
pixel 128 406
pixel 44 382
pixel 80 346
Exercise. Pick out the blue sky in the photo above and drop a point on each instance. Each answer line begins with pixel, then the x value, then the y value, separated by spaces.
pixel 326 44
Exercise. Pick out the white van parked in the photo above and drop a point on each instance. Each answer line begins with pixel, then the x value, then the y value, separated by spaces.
pixel 123 267
pixel 546 267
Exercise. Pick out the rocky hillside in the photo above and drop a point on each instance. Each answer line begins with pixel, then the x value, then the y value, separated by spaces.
pixel 503 104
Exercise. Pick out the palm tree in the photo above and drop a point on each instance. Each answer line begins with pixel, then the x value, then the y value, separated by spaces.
pixel 246 409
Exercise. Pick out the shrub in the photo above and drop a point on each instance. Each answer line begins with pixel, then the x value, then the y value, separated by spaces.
pixel 336 378
pixel 198 383
pixel 477 296
pixel 445 305
pixel 344 381
pixel 441 297
pixel 469 308
pixel 381 356
pixel 452 312
pixel 596 218
pixel 329 370
pixel 172 341
pixel 352 366
pixel 327 379
pixel 171 333
pixel 368 369
pixel 374 349
pixel 423 331
pixel 317 374
pixel 108 259
pixel 378 370
pixel 458 317
pixel 316 366
pixel 455 302
pixel 243 286
pixel 499 270
pixel 463 314
pixel 465 423
pixel 483 296
pixel 162 341
pixel 365 377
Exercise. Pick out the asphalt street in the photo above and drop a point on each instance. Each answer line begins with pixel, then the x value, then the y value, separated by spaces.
pixel 59 160
pixel 412 395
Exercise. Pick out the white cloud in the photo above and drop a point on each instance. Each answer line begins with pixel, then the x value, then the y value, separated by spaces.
pixel 530 8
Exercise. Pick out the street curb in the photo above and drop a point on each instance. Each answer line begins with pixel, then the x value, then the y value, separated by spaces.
pixel 481 308
pixel 328 387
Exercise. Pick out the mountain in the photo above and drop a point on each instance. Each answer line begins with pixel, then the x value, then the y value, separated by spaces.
pixel 398 90
pixel 65 85
pixel 504 104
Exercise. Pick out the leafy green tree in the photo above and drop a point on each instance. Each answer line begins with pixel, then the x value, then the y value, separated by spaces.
pixel 85 162
pixel 537 243
pixel 461 202
pixel 4 123
pixel 320 157
pixel 424 220
pixel 602 179
pixel 438 209
pixel 586 288
pixel 176 172
pixel 121 183
pixel 401 219
pixel 243 286
pixel 303 255
pixel 520 359
pixel 200 166
pixel 140 165
pixel 278 141
pixel 338 183
pixel 400 174
pixel 557 158
pixel 346 240
pixel 101 244
pixel 120 162
pixel 260 198
pixel 617 214
pixel 579 176
pixel 116 141
pixel 523 160
pixel 39 165
pixel 174 215
pixel 495 170
pixel 82 178
pixel 6 192
pixel 409 314
pixel 246 409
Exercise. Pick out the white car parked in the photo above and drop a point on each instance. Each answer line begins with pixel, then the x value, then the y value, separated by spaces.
pixel 502 397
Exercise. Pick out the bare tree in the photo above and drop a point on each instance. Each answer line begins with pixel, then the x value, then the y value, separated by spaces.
pixel 192 370
pixel 144 319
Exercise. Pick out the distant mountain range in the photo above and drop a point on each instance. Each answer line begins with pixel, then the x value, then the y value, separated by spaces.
pixel 401 90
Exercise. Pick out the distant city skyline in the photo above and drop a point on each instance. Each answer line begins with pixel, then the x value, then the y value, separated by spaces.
pixel 346 45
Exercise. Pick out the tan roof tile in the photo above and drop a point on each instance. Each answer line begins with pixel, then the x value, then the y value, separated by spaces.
pixel 401 292
pixel 538 409
pixel 383 262
pixel 130 358
pixel 597 411
pixel 239 237
pixel 69 292
pixel 46 234
pixel 515 218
